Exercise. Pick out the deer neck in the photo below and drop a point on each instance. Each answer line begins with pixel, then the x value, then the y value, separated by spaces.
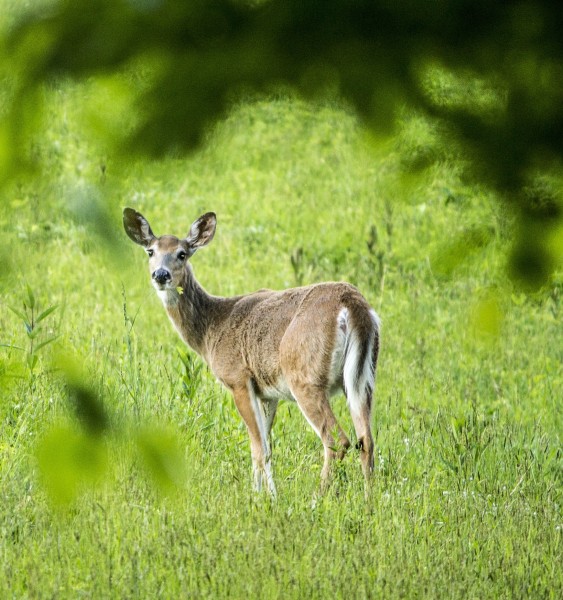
pixel 192 311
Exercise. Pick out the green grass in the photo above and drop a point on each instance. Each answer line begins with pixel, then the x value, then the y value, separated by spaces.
pixel 467 500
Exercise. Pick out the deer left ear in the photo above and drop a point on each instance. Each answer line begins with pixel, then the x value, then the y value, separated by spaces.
pixel 202 231
pixel 137 227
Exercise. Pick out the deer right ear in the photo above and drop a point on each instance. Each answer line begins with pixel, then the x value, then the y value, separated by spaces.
pixel 202 231
pixel 137 227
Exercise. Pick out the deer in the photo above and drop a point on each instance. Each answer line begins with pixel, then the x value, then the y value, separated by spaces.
pixel 302 344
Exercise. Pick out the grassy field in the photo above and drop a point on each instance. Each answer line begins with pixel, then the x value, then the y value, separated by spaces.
pixel 151 496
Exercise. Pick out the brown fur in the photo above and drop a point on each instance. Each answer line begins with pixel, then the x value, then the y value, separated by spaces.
pixel 266 345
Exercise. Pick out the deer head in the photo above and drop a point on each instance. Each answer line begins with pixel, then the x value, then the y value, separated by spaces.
pixel 168 255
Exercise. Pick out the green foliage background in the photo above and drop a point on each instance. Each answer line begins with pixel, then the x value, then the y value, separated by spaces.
pixel 498 100
pixel 125 470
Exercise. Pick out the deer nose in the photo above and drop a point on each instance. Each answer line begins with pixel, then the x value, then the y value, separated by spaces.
pixel 162 276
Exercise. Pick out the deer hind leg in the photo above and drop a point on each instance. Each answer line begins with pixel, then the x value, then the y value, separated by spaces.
pixel 359 403
pixel 257 423
pixel 314 404
pixel 362 425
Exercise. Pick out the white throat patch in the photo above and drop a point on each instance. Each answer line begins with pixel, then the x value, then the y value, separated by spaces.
pixel 169 297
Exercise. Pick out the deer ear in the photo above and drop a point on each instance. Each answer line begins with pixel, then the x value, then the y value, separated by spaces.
pixel 202 231
pixel 137 227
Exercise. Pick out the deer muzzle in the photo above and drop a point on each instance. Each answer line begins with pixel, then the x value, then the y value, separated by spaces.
pixel 162 276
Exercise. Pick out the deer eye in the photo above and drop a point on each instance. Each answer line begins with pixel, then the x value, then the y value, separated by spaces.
pixel 150 252
pixel 182 255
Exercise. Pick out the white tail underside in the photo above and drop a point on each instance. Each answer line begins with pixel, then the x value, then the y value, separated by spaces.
pixel 358 378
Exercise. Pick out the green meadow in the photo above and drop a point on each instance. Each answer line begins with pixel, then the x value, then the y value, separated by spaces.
pixel 125 468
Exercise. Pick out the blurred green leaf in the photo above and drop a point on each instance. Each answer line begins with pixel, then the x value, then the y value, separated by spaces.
pixel 487 316
pixel 162 457
pixel 87 404
pixel 487 75
pixel 531 264
pixel 89 407
pixel 68 461
pixel 453 253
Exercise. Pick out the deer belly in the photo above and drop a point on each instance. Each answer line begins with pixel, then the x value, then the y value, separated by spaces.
pixel 279 390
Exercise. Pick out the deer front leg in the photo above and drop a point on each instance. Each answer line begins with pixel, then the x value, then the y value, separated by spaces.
pixel 251 410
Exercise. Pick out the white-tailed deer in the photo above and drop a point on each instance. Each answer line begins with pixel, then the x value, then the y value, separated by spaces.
pixel 302 344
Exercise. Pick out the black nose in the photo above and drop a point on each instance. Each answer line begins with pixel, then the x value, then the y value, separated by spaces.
pixel 161 276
